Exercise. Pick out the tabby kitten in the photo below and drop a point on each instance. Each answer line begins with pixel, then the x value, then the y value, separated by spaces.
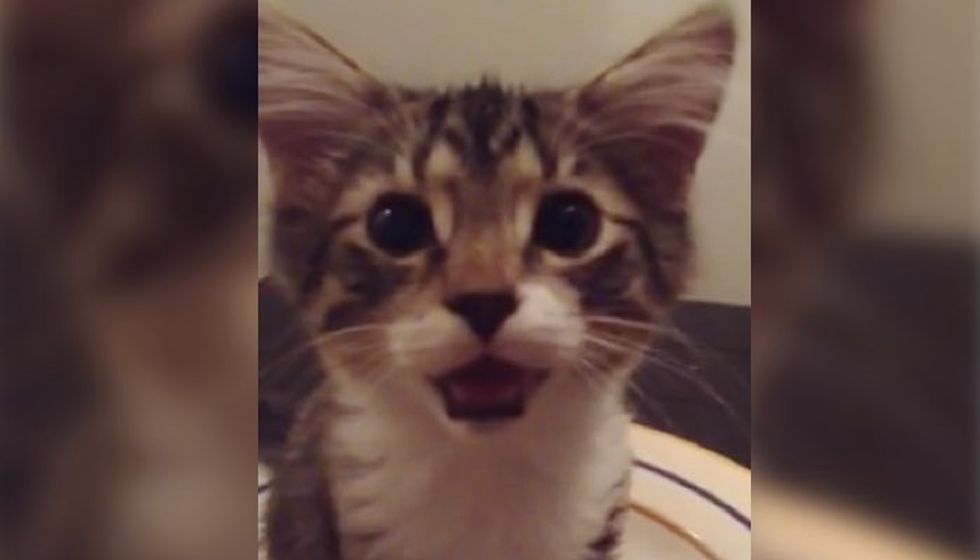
pixel 481 269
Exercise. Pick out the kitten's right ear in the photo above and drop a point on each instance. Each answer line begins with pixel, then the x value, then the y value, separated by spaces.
pixel 315 104
pixel 317 109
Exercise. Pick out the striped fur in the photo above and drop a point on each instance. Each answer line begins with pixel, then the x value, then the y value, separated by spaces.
pixel 407 482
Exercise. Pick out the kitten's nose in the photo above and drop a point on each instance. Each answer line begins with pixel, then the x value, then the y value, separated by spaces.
pixel 484 312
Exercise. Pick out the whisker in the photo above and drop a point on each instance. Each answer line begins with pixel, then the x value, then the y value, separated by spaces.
pixel 680 370
pixel 652 403
pixel 649 401
pixel 629 323
pixel 706 388
pixel 352 330
pixel 622 340
pixel 588 373
pixel 315 343
pixel 284 356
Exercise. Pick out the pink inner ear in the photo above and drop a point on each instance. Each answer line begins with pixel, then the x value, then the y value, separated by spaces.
pixel 645 121
pixel 314 102
pixel 647 116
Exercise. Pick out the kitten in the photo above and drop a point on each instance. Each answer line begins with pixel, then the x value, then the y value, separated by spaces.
pixel 481 269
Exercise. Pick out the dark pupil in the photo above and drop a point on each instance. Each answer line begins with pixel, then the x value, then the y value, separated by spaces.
pixel 400 224
pixel 567 223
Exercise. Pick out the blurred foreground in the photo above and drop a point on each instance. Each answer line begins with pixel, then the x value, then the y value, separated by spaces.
pixel 865 278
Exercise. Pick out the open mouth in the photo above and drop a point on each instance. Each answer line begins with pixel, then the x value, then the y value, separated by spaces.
pixel 487 389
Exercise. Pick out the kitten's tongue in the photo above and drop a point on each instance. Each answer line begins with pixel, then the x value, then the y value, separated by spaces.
pixel 486 389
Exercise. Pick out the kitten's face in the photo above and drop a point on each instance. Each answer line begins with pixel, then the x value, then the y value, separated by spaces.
pixel 470 249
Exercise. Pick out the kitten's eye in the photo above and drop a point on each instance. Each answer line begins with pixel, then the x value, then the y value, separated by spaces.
pixel 400 224
pixel 567 223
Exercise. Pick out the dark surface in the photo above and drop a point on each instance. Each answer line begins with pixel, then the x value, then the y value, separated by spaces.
pixel 703 393
pixel 698 388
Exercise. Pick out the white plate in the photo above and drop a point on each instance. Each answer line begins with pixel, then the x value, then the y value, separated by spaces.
pixel 688 503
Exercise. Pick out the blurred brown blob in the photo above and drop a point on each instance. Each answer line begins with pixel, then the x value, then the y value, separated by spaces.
pixel 864 313
pixel 127 273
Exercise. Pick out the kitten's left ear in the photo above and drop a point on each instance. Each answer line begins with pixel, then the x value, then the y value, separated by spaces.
pixel 646 117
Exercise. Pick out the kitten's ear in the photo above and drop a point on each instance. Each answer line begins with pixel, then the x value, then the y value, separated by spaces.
pixel 318 114
pixel 646 117
pixel 315 104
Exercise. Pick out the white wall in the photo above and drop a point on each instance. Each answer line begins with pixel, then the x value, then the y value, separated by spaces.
pixel 560 43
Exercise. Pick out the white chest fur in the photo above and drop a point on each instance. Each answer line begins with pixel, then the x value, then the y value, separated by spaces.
pixel 538 489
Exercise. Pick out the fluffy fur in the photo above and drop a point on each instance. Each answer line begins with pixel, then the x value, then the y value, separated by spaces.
pixel 377 468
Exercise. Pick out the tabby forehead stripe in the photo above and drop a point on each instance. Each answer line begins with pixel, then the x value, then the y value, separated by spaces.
pixel 483 133
pixel 489 127
pixel 530 116
pixel 483 108
pixel 436 116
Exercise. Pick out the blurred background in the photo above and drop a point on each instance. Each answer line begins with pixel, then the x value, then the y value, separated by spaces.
pixel 864 275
